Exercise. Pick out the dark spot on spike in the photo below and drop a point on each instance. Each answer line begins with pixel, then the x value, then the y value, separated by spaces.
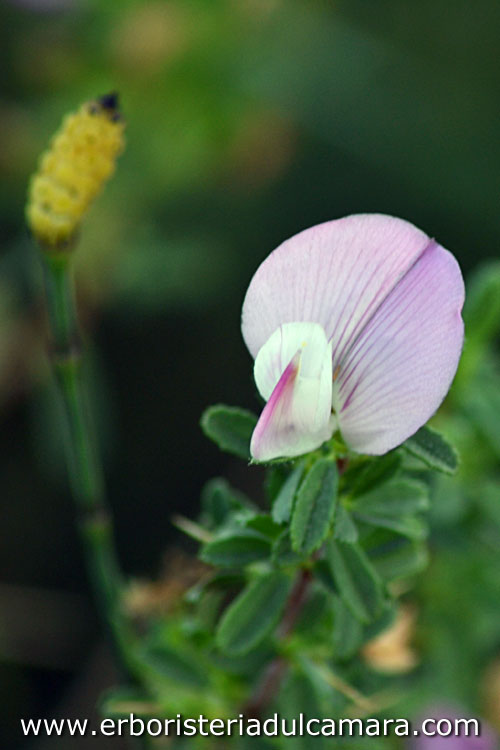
pixel 116 117
pixel 109 101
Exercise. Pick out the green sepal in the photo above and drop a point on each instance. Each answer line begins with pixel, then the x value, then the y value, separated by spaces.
pixel 431 448
pixel 253 614
pixel 358 583
pixel 230 428
pixel 314 507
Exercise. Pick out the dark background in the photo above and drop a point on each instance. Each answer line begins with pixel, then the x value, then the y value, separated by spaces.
pixel 248 120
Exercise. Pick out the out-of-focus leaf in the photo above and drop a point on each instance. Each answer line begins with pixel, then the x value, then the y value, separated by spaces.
pixel 394 556
pixel 299 695
pixel 393 506
pixel 230 428
pixel 282 506
pixel 121 702
pixel 253 614
pixel 175 664
pixel 218 499
pixel 236 549
pixel 283 555
pixel 482 406
pixel 344 528
pixel 360 479
pixel 347 630
pixel 264 524
pixel 431 448
pixel 315 506
pixel 482 303
pixel 358 583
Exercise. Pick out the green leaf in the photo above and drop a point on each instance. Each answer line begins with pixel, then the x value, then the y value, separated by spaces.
pixel 347 631
pixel 120 702
pixel 283 555
pixel 410 526
pixel 230 428
pixel 218 499
pixel 393 506
pixel 253 614
pixel 431 448
pixel 344 528
pixel 482 304
pixel 314 507
pixel 174 664
pixel 264 524
pixel 393 556
pixel 236 549
pixel 299 694
pixel 402 497
pixel 357 581
pixel 282 506
pixel 483 409
pixel 372 472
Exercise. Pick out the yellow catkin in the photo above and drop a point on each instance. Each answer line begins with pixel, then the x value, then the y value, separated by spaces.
pixel 79 160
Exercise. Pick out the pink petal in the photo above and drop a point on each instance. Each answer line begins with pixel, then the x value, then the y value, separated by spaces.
pixel 298 415
pixel 398 370
pixel 335 274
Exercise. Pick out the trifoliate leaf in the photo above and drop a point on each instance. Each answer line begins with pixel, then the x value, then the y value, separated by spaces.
pixel 314 507
pixel 230 428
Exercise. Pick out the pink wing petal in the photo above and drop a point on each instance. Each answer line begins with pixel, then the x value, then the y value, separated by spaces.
pixel 398 370
pixel 335 274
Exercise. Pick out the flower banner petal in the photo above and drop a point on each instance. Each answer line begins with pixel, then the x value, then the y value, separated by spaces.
pixel 400 367
pixel 336 274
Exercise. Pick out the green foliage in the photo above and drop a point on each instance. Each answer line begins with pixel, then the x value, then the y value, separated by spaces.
pixel 253 614
pixel 283 503
pixel 433 450
pixel 357 581
pixel 230 428
pixel 239 548
pixel 315 507
pixel 395 506
pixel 482 305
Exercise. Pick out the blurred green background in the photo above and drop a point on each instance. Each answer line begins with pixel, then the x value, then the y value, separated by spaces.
pixel 248 120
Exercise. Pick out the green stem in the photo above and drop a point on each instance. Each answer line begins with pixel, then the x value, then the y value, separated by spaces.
pixel 85 472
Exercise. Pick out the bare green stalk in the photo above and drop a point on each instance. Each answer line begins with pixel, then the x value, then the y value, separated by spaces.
pixel 94 519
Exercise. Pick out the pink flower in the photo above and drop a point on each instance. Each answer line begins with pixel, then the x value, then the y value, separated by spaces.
pixel 355 325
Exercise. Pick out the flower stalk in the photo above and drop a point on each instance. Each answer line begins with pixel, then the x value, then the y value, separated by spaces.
pixel 85 472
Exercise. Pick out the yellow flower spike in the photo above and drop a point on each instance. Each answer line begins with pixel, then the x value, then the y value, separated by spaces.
pixel 79 160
